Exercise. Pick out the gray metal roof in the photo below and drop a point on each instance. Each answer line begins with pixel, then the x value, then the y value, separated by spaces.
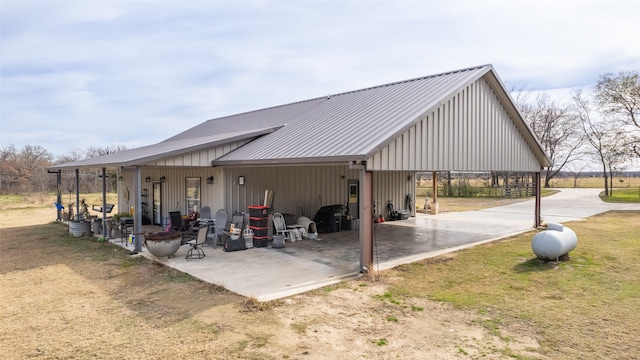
pixel 346 126
pixel 145 154
pixel 353 125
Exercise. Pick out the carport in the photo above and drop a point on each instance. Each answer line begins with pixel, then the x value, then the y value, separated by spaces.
pixel 311 153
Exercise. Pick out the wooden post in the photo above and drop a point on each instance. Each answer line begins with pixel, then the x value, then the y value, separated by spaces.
pixel 434 203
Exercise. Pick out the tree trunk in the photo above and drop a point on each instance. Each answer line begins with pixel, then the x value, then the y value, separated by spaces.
pixel 606 182
pixel 547 178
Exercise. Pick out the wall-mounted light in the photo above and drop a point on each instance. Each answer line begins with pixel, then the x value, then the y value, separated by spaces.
pixel 163 179
pixel 120 178
pixel 147 179
pixel 240 180
pixel 409 178
pixel 210 180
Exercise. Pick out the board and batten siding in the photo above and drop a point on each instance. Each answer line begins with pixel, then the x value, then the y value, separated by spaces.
pixel 302 190
pixel 472 131
pixel 202 157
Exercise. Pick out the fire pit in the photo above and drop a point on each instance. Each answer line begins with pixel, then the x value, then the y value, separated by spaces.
pixel 163 243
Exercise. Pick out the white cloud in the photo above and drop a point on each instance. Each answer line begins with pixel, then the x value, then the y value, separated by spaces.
pixel 141 71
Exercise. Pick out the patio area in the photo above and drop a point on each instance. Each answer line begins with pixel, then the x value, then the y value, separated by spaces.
pixel 267 274
pixel 271 273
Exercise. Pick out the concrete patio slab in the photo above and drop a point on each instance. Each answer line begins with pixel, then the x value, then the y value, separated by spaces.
pixel 267 274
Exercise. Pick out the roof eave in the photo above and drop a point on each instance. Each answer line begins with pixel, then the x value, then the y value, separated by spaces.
pixel 324 160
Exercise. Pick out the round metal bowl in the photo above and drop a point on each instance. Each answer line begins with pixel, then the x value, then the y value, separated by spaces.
pixel 163 244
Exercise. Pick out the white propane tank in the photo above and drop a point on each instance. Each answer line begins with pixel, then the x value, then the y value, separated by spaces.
pixel 554 242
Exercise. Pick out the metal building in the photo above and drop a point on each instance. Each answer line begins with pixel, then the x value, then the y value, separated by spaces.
pixel 359 148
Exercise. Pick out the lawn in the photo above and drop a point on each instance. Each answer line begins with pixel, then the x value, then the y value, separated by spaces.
pixel 628 195
pixel 584 307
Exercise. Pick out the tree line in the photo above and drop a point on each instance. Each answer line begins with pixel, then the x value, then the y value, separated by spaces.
pixel 24 171
pixel 600 125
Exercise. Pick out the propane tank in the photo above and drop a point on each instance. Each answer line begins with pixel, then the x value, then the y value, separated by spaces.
pixel 554 242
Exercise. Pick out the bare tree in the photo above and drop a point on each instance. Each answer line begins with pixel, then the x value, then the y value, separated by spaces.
pixel 605 138
pixel 25 170
pixel 557 128
pixel 619 97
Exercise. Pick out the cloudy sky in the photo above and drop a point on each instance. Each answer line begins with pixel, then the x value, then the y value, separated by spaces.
pixel 76 74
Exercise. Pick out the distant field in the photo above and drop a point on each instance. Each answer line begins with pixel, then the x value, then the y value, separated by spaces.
pixel 565 182
pixel 597 182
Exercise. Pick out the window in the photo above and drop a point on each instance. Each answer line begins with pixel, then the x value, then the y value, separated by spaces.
pixel 192 189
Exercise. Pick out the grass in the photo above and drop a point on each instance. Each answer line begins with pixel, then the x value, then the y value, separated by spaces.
pixel 622 196
pixel 594 294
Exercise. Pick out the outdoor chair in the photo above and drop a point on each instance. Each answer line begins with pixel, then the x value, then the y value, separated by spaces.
pixel 206 213
pixel 176 221
pixel 221 224
pixel 237 219
pixel 281 228
pixel 197 243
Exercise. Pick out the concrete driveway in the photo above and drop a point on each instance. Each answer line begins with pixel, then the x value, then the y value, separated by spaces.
pixel 266 273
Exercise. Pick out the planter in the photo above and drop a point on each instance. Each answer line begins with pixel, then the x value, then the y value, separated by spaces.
pixel 109 223
pixel 96 227
pixel 80 228
pixel 163 243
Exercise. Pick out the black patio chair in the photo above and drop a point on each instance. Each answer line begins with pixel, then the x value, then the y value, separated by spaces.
pixel 176 221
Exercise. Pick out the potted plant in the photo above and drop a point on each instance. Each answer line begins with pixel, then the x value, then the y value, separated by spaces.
pixel 116 220
pixel 80 225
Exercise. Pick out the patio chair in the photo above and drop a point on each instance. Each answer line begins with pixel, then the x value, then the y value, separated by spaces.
pixel 281 228
pixel 176 221
pixel 196 244
pixel 221 224
pixel 206 213
pixel 237 219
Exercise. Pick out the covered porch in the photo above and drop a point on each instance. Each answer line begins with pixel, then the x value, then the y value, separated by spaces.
pixel 268 273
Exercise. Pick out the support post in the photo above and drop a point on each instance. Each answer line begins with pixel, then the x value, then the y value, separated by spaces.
pixel 137 216
pixel 58 193
pixel 538 218
pixel 104 202
pixel 366 219
pixel 434 185
pixel 77 195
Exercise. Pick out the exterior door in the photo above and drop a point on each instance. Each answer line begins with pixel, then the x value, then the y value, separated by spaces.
pixel 354 198
pixel 157 203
